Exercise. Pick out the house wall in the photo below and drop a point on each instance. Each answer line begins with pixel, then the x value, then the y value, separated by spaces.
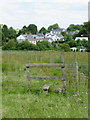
pixel 81 38
pixel 33 42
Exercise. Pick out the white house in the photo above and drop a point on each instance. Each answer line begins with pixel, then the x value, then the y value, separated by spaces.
pixel 82 50
pixel 20 38
pixel 29 37
pixel 73 48
pixel 51 36
pixel 54 37
pixel 81 38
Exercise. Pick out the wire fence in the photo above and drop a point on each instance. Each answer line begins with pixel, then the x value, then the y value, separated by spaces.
pixel 14 70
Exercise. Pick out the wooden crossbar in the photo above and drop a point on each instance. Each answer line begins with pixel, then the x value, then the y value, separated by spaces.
pixel 45 64
pixel 45 78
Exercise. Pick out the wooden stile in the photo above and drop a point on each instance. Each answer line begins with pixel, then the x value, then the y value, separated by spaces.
pixel 62 65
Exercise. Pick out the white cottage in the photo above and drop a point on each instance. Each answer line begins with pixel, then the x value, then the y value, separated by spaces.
pixel 20 38
pixel 73 48
pixel 81 38
pixel 29 37
pixel 82 50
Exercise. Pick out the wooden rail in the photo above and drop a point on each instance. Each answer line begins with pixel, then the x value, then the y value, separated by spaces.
pixel 45 64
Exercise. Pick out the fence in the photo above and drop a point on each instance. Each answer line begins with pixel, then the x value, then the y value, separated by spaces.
pixel 14 63
pixel 28 66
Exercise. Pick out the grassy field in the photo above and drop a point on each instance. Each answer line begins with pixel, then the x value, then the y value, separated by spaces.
pixel 19 102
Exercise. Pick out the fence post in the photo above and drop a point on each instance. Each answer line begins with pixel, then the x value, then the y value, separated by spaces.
pixel 76 76
pixel 28 71
pixel 63 73
pixel 28 75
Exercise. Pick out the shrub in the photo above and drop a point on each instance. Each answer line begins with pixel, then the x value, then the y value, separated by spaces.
pixel 64 47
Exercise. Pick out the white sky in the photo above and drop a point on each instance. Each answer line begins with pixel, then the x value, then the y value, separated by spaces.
pixel 17 13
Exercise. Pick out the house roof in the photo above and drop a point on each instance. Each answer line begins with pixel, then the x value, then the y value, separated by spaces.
pixel 44 39
pixel 29 37
pixel 58 29
pixel 59 35
pixel 82 48
pixel 73 48
pixel 21 37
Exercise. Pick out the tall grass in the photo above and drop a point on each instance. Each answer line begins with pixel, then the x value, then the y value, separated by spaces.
pixel 19 102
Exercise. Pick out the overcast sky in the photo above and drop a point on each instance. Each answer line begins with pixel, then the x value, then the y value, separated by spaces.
pixel 17 13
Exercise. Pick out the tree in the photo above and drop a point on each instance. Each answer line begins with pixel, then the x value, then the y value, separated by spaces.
pixel 24 27
pixel 32 28
pixel 11 33
pixel 78 42
pixel 85 31
pixel 43 45
pixel 69 37
pixel 24 30
pixel 43 30
pixel 11 45
pixel 64 47
pixel 63 33
pixel 54 26
pixel 72 43
pixel 84 43
pixel 26 45
pixel 73 27
pixel 5 34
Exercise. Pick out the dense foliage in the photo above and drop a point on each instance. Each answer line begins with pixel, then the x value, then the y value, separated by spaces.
pixel 32 28
pixel 53 26
pixel 73 27
pixel 43 30
pixel 9 35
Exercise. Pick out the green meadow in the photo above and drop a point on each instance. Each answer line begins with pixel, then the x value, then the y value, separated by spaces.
pixel 20 102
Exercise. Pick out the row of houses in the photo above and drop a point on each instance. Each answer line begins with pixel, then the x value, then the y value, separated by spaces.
pixel 53 35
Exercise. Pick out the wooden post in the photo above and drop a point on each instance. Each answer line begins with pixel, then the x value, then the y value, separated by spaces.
pixel 28 72
pixel 63 73
pixel 76 76
pixel 28 75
